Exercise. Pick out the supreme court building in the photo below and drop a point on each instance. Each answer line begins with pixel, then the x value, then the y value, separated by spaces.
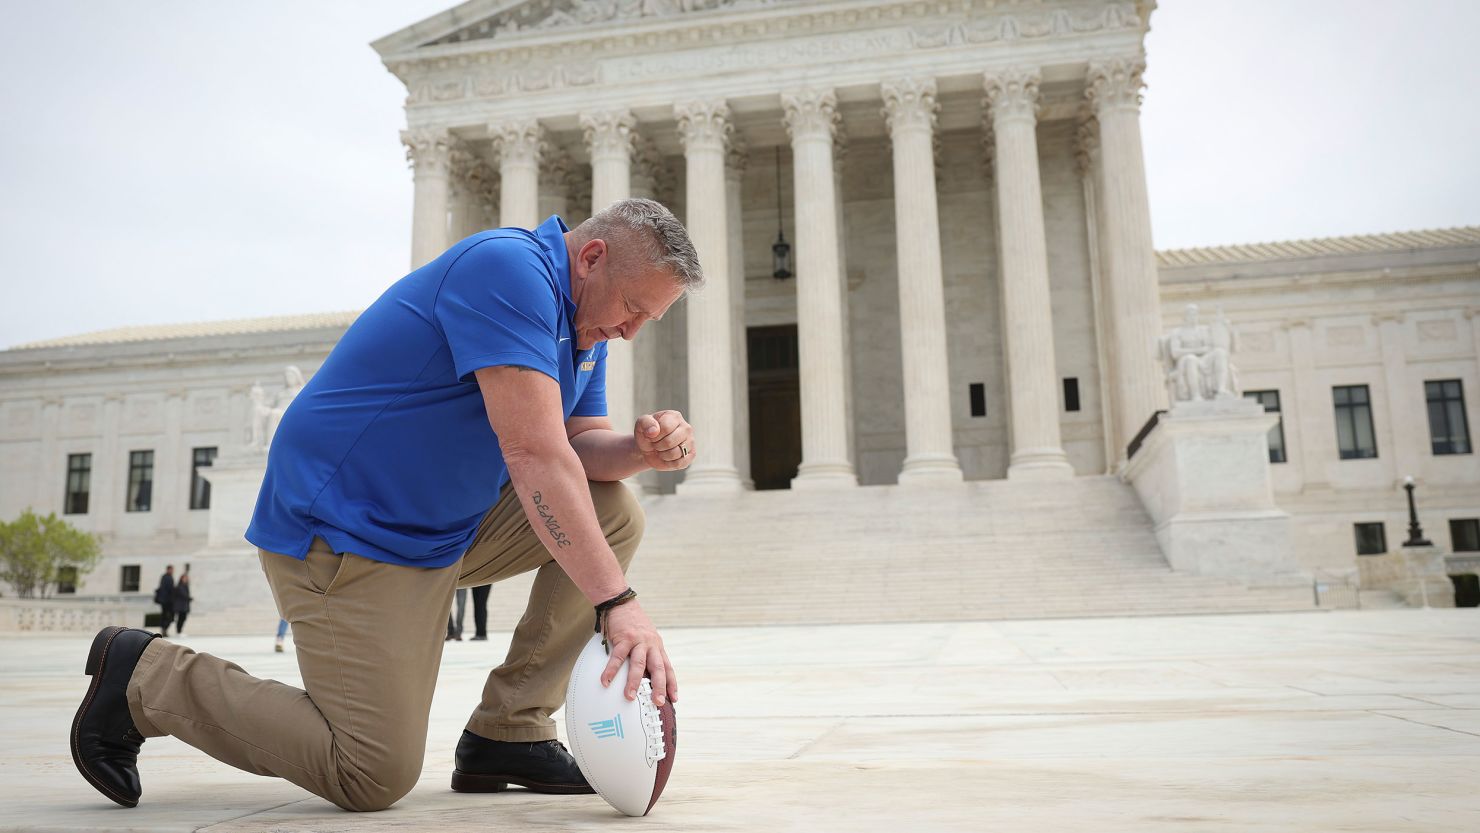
pixel 927 238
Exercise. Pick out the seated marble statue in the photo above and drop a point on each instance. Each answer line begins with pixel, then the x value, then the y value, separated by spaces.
pixel 1197 360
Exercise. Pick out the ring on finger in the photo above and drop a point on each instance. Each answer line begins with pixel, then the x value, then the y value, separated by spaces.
pixel 683 451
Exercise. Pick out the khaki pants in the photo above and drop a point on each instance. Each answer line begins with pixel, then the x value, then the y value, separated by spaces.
pixel 369 639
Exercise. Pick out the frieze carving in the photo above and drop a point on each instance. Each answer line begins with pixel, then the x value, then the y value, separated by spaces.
pixel 1012 94
pixel 909 104
pixel 1345 336
pixel 1439 330
pixel 571 14
pixel 806 37
pixel 1024 26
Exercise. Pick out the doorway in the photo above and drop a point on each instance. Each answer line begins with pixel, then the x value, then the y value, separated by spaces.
pixel 775 405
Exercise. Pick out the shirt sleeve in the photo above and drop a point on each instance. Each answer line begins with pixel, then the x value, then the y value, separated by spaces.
pixel 498 305
pixel 593 399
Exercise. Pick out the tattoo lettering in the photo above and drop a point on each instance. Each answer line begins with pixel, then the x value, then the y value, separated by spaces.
pixel 551 525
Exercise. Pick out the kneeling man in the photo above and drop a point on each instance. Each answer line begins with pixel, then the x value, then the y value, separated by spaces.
pixel 456 436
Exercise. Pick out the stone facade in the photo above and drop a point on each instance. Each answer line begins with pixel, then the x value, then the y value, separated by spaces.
pixel 1016 127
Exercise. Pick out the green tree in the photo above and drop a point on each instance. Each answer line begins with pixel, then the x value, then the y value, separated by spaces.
pixel 34 549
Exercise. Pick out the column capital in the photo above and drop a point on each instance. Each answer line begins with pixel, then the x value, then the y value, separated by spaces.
pixel 428 150
pixel 556 169
pixel 909 104
pixel 1115 83
pixel 519 140
pixel 1086 142
pixel 810 114
pixel 1012 93
pixel 609 133
pixel 737 158
pixel 704 123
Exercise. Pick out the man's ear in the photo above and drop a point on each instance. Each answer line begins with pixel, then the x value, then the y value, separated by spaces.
pixel 592 252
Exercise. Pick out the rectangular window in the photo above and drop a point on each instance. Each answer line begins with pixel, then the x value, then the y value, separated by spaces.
pixel 79 484
pixel 140 480
pixel 66 580
pixel 1464 534
pixel 200 488
pixel 978 399
pixel 1371 539
pixel 1354 435
pixel 128 579
pixel 1071 394
pixel 1270 399
pixel 1449 431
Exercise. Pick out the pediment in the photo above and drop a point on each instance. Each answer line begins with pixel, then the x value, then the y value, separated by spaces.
pixel 482 20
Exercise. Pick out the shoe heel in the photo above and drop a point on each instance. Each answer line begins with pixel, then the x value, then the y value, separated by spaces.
pixel 99 647
pixel 467 783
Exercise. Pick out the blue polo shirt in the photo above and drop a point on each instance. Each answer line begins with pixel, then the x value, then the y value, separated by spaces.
pixel 387 452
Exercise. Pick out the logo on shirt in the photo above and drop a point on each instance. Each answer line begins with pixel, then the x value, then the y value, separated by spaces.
pixel 585 366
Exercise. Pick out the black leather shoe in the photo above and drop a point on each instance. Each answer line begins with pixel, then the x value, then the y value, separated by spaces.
pixel 490 766
pixel 105 742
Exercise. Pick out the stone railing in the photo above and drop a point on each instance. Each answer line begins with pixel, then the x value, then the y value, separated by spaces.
pixel 67 615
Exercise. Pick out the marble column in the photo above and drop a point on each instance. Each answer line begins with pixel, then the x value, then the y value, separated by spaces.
pixel 1407 404
pixel 735 163
pixel 1027 314
pixel 171 466
pixel 609 138
pixel 845 314
pixel 704 128
pixel 521 146
pixel 430 153
pixel 110 471
pixel 1086 159
pixel 811 118
pixel 51 490
pixel 557 175
pixel 650 351
pixel 909 111
pixel 1311 428
pixel 1129 261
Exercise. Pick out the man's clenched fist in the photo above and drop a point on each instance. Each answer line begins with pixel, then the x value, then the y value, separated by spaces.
pixel 666 440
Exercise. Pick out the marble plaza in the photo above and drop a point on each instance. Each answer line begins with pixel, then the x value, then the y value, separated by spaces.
pixel 928 244
pixel 1363 722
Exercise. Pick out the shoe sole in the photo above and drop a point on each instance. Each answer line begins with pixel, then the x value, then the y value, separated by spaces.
pixel 467 782
pixel 94 668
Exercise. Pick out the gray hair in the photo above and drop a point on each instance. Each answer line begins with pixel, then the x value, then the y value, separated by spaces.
pixel 662 239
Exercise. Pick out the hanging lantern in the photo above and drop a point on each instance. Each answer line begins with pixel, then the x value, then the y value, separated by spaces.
pixel 780 250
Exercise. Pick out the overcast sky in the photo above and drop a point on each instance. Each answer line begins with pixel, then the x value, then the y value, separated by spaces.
pixel 188 160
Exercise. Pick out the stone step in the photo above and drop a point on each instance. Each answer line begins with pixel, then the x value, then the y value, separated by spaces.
pixel 979 550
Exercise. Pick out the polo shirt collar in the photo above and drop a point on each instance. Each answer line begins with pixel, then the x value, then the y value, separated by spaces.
pixel 551 235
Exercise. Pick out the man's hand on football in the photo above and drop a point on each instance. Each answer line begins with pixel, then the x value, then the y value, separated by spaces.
pixel 666 440
pixel 630 634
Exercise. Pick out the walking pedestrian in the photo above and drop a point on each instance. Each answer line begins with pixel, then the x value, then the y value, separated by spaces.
pixel 182 603
pixel 164 596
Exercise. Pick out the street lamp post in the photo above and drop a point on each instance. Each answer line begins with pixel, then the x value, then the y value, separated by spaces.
pixel 1415 532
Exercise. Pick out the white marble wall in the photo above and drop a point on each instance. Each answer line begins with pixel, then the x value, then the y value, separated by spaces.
pixel 1389 321
pixel 109 400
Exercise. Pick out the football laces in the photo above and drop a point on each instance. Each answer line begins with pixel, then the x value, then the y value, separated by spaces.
pixel 652 723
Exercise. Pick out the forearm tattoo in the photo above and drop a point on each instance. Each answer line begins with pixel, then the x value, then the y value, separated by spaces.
pixel 548 519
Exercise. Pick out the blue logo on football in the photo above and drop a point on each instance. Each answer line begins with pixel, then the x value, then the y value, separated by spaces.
pixel 608 728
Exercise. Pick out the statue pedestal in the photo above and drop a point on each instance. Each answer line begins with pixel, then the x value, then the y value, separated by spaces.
pixel 1203 476
pixel 235 477
pixel 1418 574
pixel 231 593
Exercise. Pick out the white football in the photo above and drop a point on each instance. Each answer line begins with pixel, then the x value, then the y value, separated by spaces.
pixel 624 748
